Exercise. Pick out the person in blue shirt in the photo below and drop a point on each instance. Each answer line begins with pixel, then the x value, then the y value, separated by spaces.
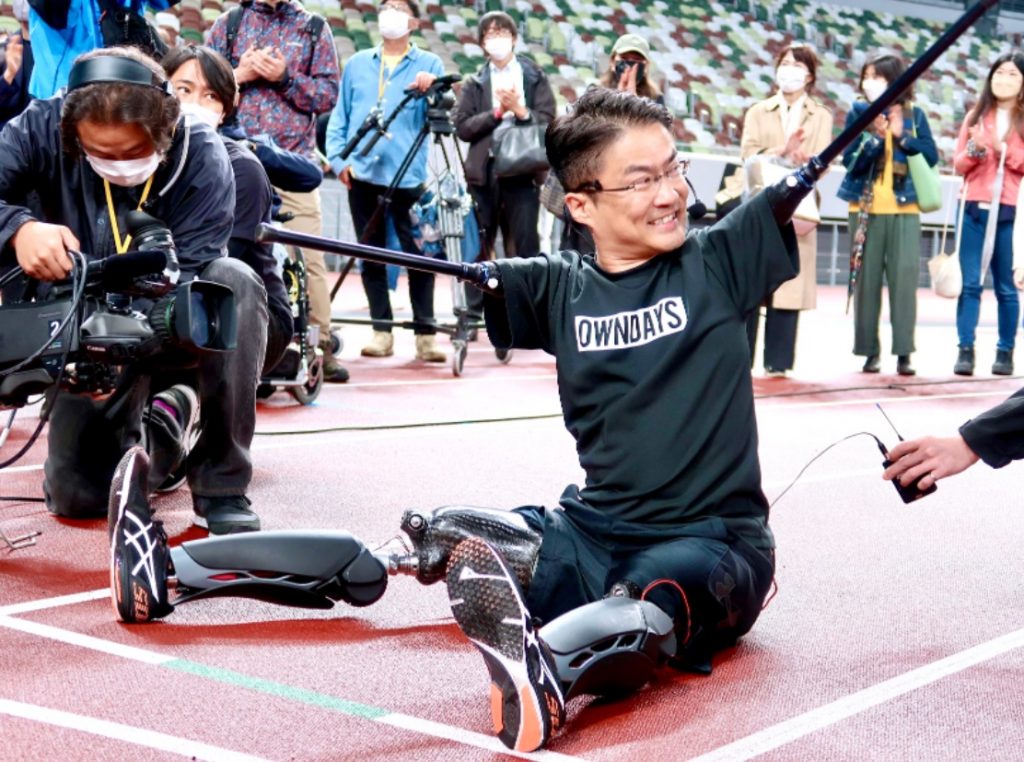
pixel 65 29
pixel 380 78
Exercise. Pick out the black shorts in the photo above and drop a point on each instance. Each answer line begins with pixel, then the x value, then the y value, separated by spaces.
pixel 724 577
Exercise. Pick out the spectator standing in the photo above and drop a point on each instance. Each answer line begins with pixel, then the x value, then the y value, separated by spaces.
pixel 381 77
pixel 990 139
pixel 17 68
pixel 509 90
pixel 64 29
pixel 287 72
pixel 629 69
pixel 789 127
pixel 884 213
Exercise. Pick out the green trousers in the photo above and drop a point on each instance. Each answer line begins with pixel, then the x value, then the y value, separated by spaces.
pixel 893 250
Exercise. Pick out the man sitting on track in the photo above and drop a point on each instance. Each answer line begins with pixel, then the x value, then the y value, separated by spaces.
pixel 665 555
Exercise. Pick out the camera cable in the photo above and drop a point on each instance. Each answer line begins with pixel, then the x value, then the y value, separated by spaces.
pixel 79 280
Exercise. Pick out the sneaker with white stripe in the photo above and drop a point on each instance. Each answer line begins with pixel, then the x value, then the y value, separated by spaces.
pixel 527 705
pixel 139 557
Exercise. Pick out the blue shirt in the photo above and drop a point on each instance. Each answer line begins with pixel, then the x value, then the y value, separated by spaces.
pixel 360 86
pixel 56 49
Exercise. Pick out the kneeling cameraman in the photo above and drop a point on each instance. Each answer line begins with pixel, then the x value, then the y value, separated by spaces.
pixel 113 143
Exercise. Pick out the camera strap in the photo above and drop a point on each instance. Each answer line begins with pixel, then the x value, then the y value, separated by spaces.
pixel 122 246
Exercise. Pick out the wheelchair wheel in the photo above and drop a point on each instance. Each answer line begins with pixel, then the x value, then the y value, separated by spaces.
pixel 309 391
pixel 504 356
pixel 337 344
pixel 459 351
pixel 265 391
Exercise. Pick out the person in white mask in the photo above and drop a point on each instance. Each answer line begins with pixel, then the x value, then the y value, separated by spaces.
pixel 381 78
pixel 205 86
pixel 114 143
pixel 788 128
pixel 992 137
pixel 508 91
pixel 885 220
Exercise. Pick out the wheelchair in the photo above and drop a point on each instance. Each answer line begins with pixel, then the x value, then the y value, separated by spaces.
pixel 300 371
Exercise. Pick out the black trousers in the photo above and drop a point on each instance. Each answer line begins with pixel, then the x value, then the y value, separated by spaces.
pixel 510 205
pixel 725 579
pixel 779 337
pixel 363 199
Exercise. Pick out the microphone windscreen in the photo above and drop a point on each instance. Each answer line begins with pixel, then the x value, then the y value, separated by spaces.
pixel 696 210
pixel 124 267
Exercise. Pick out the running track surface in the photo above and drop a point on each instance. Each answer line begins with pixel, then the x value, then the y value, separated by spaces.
pixel 897 631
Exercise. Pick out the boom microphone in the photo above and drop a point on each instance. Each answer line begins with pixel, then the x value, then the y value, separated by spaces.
pixel 122 269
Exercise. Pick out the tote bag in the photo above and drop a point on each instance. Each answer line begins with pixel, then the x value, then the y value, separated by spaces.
pixel 944 268
pixel 926 179
pixel 519 150
pixel 762 171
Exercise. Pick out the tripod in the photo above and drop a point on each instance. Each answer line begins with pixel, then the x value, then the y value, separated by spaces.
pixel 452 201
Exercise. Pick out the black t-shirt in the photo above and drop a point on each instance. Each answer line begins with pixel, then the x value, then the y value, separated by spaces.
pixel 654 375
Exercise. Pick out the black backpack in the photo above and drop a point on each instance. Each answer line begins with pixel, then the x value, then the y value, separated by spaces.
pixel 313 27
pixel 123 27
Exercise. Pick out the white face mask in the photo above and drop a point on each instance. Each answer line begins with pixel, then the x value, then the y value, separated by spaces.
pixel 873 88
pixel 790 79
pixel 393 24
pixel 498 48
pixel 201 114
pixel 124 173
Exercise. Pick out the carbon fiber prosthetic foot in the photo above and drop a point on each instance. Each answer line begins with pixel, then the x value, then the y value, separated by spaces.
pixel 435 535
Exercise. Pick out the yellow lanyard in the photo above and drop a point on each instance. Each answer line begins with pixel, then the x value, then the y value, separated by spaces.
pixel 381 83
pixel 120 247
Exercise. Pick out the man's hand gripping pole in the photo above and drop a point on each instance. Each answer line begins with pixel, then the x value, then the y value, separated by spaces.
pixel 785 195
pixel 483 275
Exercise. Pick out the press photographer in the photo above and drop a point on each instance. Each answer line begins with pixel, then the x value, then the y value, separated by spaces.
pixel 114 143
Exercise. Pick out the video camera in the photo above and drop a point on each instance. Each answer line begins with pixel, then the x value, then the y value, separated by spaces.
pixel 111 313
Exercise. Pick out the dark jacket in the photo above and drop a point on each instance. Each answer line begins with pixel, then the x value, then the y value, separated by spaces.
pixel 863 153
pixel 253 200
pixel 474 115
pixel 288 171
pixel 193 194
pixel 997 435
pixel 14 97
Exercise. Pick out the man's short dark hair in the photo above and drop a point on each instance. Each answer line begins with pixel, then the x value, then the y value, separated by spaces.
pixel 150 108
pixel 216 71
pixel 495 20
pixel 575 141
pixel 413 6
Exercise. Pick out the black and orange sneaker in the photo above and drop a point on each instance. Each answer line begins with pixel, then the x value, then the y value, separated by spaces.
pixel 527 706
pixel 139 557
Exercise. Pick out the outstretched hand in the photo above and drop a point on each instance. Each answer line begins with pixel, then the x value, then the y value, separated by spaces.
pixel 931 458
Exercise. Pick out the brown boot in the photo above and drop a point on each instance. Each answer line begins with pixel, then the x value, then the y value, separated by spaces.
pixel 426 349
pixel 334 372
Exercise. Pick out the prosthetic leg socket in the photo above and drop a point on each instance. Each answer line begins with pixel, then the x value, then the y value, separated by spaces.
pixel 609 647
pixel 294 568
pixel 434 536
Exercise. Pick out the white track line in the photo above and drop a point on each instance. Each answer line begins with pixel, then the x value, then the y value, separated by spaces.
pixel 52 603
pixel 394 719
pixel 802 725
pixel 119 732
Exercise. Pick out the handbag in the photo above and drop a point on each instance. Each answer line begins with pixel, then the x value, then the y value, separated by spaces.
pixel 552 196
pixel 519 150
pixel 926 178
pixel 762 171
pixel 944 268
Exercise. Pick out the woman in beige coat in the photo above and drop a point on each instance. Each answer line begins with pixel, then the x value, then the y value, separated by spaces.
pixel 788 128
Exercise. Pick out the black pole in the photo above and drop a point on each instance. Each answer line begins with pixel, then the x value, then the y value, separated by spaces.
pixel 471 272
